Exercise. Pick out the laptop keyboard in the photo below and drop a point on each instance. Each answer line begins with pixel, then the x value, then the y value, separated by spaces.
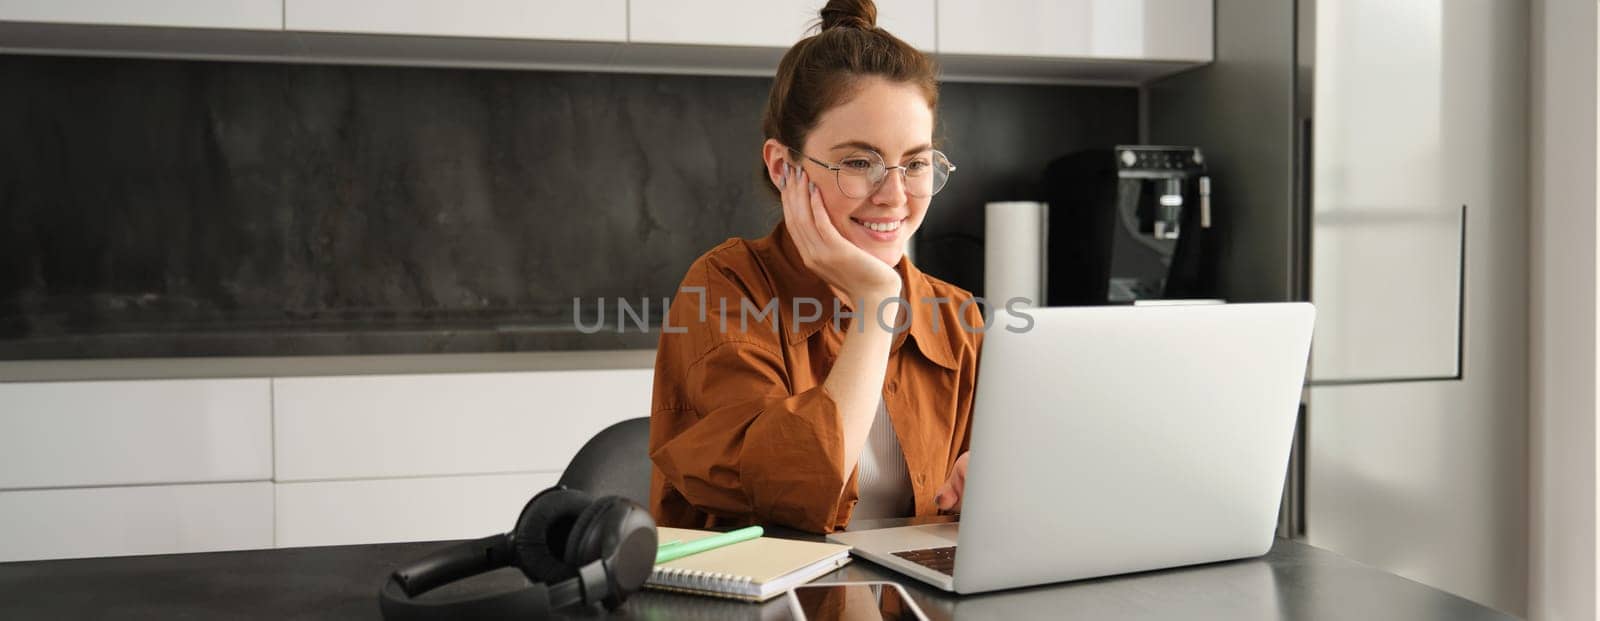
pixel 942 560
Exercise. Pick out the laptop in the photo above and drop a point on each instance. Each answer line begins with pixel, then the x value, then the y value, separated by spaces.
pixel 1109 440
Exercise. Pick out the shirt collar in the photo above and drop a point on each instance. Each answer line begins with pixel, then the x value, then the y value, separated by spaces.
pixel 793 280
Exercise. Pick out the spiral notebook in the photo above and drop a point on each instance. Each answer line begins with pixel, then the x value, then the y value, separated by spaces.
pixel 756 570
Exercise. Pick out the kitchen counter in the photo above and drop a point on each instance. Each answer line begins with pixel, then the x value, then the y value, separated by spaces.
pixel 1293 581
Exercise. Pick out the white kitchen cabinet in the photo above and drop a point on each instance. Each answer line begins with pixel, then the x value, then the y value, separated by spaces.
pixel 446 424
pixel 234 14
pixel 770 23
pixel 913 21
pixel 1114 42
pixel 1155 30
pixel 119 521
pixel 76 434
pixel 412 509
pixel 569 20
pixel 1391 175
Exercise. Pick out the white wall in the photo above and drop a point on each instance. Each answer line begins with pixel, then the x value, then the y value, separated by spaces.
pixel 1562 370
pixel 1429 479
pixel 195 465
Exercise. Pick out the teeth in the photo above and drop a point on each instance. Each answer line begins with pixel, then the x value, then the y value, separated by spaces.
pixel 882 227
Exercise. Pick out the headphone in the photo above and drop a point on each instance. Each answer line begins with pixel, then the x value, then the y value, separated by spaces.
pixel 573 548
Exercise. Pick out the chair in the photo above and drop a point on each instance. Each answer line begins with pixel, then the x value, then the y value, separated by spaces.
pixel 615 461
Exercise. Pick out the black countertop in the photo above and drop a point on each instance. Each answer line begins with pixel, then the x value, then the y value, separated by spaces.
pixel 1292 581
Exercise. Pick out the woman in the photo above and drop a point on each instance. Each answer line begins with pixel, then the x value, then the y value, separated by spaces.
pixel 814 376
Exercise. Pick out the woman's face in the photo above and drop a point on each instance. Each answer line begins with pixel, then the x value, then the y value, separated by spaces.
pixel 894 121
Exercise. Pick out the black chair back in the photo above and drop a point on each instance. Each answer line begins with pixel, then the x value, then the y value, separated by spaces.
pixel 615 461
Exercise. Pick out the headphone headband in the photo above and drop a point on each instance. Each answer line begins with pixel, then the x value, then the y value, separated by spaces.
pixel 454 563
pixel 625 558
pixel 395 604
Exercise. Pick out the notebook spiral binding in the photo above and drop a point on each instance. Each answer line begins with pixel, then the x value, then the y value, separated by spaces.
pixel 704 582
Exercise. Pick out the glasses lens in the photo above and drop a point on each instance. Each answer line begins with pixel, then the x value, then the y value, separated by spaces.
pixel 860 174
pixel 927 173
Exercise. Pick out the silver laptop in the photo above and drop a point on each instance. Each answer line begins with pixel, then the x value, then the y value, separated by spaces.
pixel 1109 440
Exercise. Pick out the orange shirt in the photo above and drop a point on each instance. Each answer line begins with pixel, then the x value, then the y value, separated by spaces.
pixel 742 430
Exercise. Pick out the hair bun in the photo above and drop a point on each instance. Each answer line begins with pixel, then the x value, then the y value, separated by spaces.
pixel 862 14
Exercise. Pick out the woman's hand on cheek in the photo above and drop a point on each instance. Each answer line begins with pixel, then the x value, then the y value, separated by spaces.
pixel 949 496
pixel 825 251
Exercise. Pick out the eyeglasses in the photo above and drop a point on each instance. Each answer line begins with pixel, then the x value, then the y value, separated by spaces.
pixel 863 172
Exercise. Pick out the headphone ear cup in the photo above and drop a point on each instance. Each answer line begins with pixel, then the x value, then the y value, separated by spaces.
pixel 583 544
pixel 543 530
pixel 632 556
pixel 623 535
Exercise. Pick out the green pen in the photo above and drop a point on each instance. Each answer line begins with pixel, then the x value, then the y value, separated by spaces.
pixel 674 551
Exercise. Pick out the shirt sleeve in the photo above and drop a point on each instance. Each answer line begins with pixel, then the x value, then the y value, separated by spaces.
pixel 746 445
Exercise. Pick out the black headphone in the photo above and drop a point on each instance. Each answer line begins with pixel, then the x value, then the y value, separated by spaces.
pixel 574 548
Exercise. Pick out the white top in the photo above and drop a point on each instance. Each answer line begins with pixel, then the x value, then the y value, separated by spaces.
pixel 882 480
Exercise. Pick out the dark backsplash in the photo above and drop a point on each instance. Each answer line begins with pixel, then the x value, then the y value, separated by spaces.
pixel 178 208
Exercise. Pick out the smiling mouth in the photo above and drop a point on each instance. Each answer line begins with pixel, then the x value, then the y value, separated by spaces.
pixel 880 227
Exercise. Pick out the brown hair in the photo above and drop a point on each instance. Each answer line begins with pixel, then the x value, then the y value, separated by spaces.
pixel 821 71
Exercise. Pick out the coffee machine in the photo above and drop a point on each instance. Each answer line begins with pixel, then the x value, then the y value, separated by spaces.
pixel 1129 223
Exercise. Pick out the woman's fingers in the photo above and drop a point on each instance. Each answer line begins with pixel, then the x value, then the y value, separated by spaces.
pixel 797 211
pixel 949 494
pixel 786 196
pixel 954 488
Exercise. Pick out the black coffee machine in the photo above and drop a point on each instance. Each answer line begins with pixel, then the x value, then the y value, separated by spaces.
pixel 1129 223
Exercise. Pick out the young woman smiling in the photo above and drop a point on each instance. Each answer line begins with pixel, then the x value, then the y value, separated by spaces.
pixel 855 400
